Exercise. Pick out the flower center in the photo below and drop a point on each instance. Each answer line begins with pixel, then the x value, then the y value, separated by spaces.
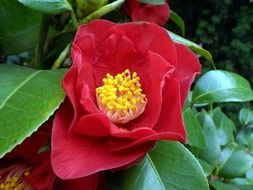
pixel 12 178
pixel 121 97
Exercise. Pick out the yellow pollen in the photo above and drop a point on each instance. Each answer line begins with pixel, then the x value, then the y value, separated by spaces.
pixel 121 97
pixel 13 178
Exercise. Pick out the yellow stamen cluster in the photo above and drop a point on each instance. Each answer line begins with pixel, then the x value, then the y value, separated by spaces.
pixel 121 97
pixel 14 179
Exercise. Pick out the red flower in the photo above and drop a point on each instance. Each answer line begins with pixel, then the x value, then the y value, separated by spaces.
pixel 27 169
pixel 138 11
pixel 125 90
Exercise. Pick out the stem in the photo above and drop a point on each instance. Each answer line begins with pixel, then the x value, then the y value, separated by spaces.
pixel 74 19
pixel 40 45
pixel 211 108
pixel 61 57
pixel 103 11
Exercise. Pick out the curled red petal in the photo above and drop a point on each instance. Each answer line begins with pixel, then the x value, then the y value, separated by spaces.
pixel 187 68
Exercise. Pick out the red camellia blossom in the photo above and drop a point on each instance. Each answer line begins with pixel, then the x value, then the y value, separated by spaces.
pixel 125 90
pixel 26 169
pixel 138 11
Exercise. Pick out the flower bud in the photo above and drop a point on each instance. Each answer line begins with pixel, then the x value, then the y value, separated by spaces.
pixel 85 7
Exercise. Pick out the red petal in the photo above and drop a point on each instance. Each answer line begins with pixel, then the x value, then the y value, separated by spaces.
pixel 96 124
pixel 89 183
pixel 171 114
pixel 76 156
pixel 187 68
pixel 152 76
pixel 148 37
pixel 42 176
pixel 158 14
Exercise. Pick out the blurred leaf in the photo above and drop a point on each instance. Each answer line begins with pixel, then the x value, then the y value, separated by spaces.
pixel 222 186
pixel 48 7
pixel 241 181
pixel 208 169
pixel 169 166
pixel 195 47
pixel 221 86
pixel 178 21
pixel 237 163
pixel 212 150
pixel 245 137
pixel 224 155
pixel 249 174
pixel 245 116
pixel 153 2
pixel 224 125
pixel 27 98
pixel 19 28
pixel 195 136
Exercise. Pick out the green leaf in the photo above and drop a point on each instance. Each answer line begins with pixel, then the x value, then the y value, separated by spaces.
pixel 27 98
pixel 212 150
pixel 221 86
pixel 48 7
pixel 195 136
pixel 195 47
pixel 225 127
pixel 169 166
pixel 153 2
pixel 246 116
pixel 19 29
pixel 178 21
pixel 238 162
pixel 222 186
pixel 224 155
pixel 207 168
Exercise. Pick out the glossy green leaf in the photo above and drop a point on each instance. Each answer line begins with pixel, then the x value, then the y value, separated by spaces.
pixel 212 150
pixel 237 163
pixel 48 7
pixel 225 127
pixel 19 28
pixel 221 86
pixel 195 136
pixel 153 2
pixel 27 98
pixel 178 21
pixel 223 186
pixel 169 166
pixel 195 47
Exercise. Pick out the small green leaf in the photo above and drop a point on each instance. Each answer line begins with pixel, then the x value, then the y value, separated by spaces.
pixel 178 21
pixel 237 163
pixel 195 136
pixel 19 29
pixel 27 98
pixel 225 127
pixel 212 150
pixel 169 166
pixel 246 116
pixel 48 7
pixel 153 2
pixel 221 86
pixel 195 47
